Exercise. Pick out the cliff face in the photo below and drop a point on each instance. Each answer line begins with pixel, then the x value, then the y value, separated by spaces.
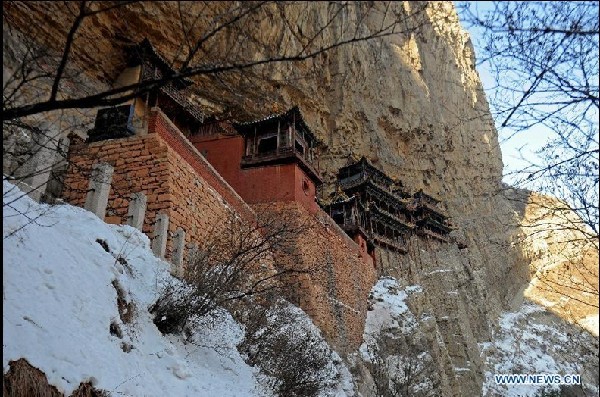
pixel 410 102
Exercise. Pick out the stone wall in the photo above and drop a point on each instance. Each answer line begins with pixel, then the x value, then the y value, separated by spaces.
pixel 335 289
pixel 167 169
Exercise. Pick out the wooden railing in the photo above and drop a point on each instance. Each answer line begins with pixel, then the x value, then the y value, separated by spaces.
pixel 404 222
pixel 281 154
pixel 433 234
pixel 382 240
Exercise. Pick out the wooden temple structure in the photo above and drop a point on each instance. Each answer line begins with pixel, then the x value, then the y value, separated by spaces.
pixel 274 158
pixel 373 205
pixel 266 160
pixel 430 219
pixel 144 65
pixel 281 138
pixel 370 204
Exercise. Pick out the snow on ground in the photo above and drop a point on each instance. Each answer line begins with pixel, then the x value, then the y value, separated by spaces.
pixel 389 308
pixel 530 341
pixel 59 303
pixel 534 341
pixel 591 324
pixel 60 313
pixel 392 339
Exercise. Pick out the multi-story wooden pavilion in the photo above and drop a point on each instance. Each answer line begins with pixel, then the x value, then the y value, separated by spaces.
pixel 375 206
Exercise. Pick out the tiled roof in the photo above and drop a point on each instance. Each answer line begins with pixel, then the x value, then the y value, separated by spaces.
pixel 287 115
pixel 144 49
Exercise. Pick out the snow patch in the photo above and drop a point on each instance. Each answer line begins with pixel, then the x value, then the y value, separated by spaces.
pixel 590 323
pixel 60 304
pixel 528 342
pixel 388 306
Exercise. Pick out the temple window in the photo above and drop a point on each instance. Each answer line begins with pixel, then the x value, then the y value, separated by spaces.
pixel 267 144
pixel 285 136
pixel 299 147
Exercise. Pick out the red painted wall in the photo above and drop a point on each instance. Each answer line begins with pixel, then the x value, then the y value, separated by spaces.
pixel 224 154
pixel 305 195
pixel 363 251
pixel 272 183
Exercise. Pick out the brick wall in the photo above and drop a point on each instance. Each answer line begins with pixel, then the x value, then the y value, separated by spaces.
pixel 162 164
pixel 160 124
pixel 335 290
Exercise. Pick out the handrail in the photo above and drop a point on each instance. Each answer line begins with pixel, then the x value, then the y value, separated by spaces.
pixel 389 242
pixel 394 217
pixel 284 153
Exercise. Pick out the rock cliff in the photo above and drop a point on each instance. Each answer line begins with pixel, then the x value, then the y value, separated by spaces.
pixel 411 102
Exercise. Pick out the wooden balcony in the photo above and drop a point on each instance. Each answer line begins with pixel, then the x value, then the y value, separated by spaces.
pixel 390 244
pixel 405 223
pixel 353 181
pixel 432 234
pixel 284 155
pixel 431 207
pixel 435 224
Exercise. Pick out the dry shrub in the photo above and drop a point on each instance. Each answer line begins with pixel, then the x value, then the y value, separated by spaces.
pixel 293 357
pixel 234 263
pixel 87 390
pixel 24 380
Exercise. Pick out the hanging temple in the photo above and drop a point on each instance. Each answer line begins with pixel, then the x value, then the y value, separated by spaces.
pixel 372 208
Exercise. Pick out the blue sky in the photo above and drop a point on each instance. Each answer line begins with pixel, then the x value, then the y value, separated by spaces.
pixel 527 142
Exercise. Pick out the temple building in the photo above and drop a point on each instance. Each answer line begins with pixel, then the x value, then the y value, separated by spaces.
pixel 144 64
pixel 267 160
pixel 156 164
pixel 272 159
pixel 371 205
pixel 430 219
